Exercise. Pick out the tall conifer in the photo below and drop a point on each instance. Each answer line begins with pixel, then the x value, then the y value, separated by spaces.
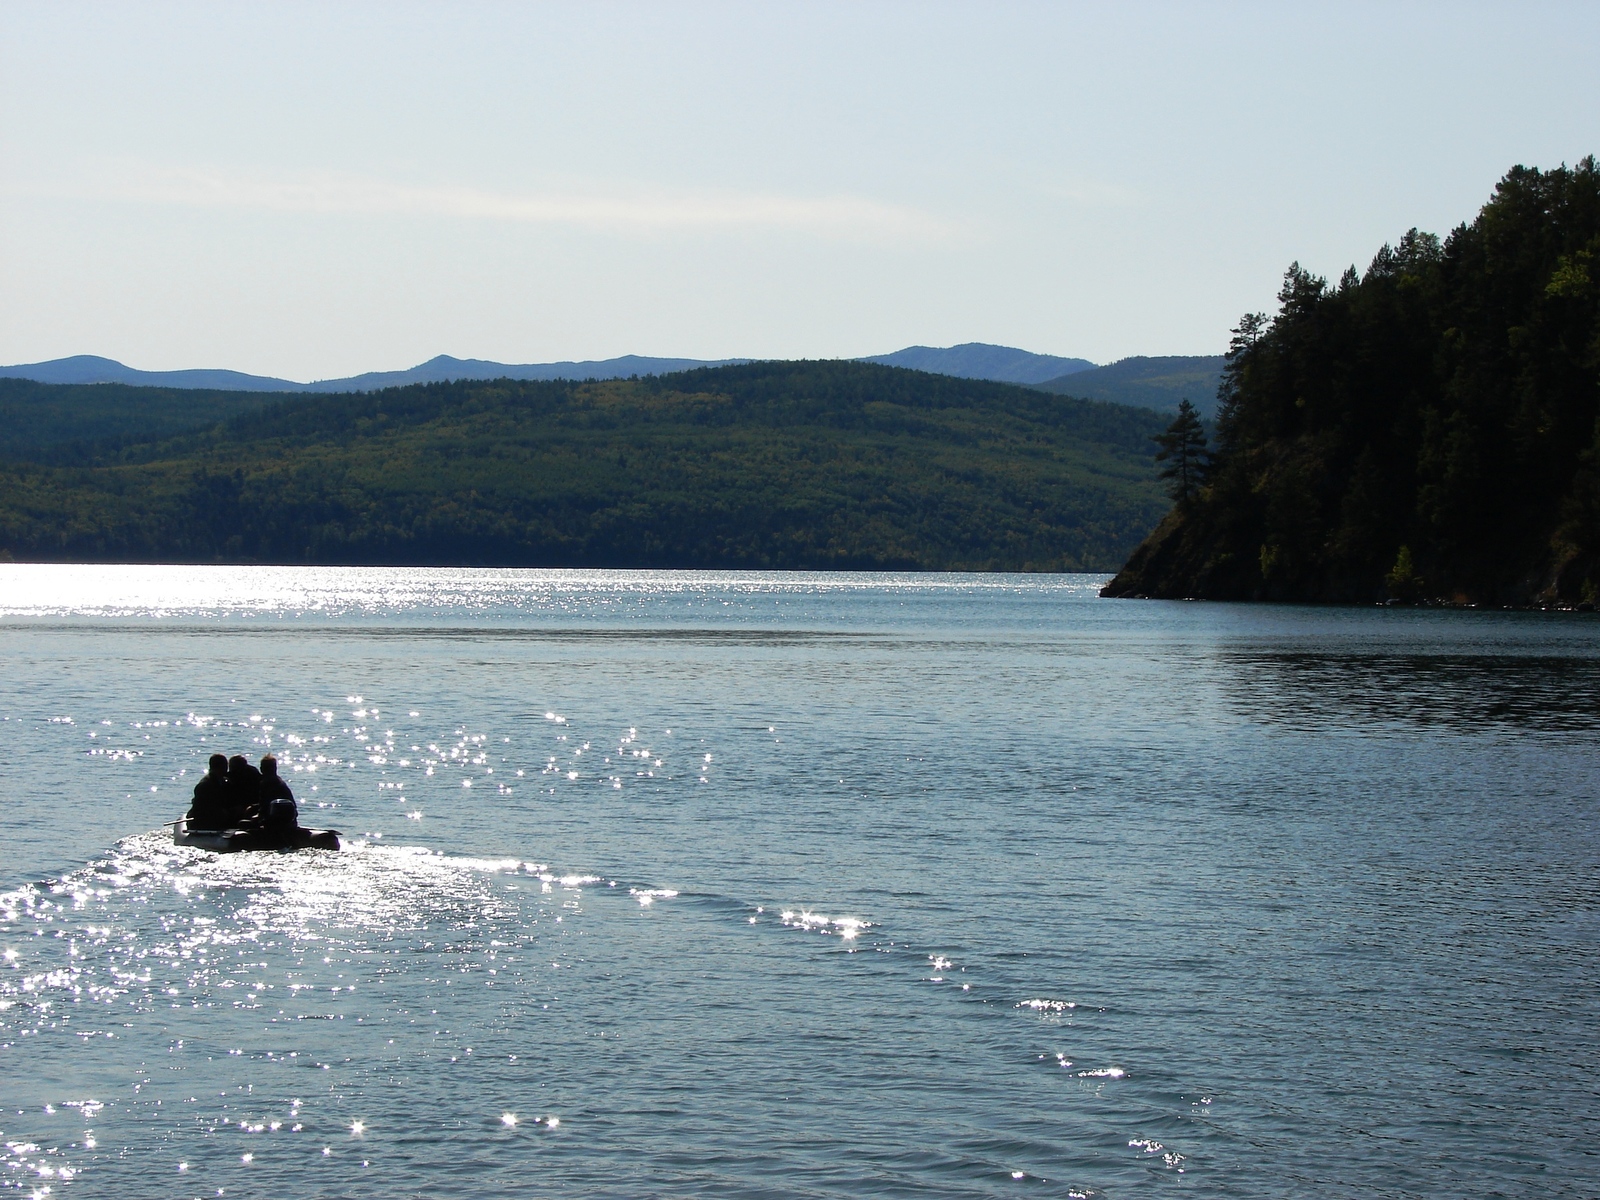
pixel 1183 450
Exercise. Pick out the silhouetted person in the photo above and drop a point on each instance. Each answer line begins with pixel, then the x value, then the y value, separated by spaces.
pixel 210 808
pixel 279 813
pixel 244 791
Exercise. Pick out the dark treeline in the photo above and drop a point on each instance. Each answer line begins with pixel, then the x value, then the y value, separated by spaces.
pixel 1424 431
pixel 795 465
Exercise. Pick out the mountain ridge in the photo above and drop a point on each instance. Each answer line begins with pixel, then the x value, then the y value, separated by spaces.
pixel 1145 382
pixel 442 368
pixel 970 360
pixel 92 368
pixel 983 360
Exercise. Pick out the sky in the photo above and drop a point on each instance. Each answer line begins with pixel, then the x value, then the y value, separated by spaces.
pixel 315 190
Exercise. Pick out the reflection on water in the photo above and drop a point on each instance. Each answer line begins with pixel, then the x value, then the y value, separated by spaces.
pixel 1515 693
pixel 772 885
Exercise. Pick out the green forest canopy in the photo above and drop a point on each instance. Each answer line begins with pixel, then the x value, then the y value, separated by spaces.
pixel 1427 430
pixel 49 422
pixel 793 465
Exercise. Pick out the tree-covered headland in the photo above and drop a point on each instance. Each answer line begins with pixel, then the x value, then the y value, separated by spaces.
pixel 1428 430
pixel 786 465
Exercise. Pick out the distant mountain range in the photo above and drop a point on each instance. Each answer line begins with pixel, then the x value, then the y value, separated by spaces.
pixel 1157 383
pixel 89 368
pixel 979 360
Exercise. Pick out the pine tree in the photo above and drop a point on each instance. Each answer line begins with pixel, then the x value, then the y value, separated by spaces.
pixel 1183 449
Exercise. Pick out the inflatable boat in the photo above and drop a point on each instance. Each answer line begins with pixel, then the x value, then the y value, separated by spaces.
pixel 226 841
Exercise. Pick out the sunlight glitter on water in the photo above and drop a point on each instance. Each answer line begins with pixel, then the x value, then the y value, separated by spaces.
pixel 50 589
pixel 287 944
pixel 848 928
pixel 648 896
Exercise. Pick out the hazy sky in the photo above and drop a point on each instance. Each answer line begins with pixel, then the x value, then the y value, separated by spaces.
pixel 311 190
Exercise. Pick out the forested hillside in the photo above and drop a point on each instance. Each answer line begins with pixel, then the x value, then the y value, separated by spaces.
pixel 47 422
pixel 1159 383
pixel 1424 431
pixel 764 465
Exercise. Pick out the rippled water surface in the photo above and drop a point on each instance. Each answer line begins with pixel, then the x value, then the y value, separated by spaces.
pixel 794 885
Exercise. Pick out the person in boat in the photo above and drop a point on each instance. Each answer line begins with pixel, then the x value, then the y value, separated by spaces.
pixel 278 811
pixel 244 793
pixel 210 808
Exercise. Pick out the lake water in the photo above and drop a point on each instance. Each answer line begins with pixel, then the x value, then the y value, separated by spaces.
pixel 783 885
